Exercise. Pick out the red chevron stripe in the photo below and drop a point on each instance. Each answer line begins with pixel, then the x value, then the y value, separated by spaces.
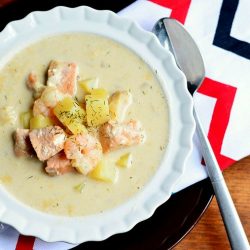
pixel 179 8
pixel 225 95
pixel 25 242
pixel 5 2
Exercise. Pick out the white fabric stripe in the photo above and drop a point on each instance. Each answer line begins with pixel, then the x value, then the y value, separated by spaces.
pixel 195 171
pixel 202 101
pixel 145 13
pixel 239 121
pixel 240 28
pixel 42 245
pixel 8 238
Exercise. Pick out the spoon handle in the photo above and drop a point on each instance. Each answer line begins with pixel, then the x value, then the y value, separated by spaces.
pixel 235 231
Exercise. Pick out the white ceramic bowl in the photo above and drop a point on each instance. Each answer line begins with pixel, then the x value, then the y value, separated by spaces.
pixel 37 25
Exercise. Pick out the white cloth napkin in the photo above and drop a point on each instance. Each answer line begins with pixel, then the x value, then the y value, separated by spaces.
pixel 221 30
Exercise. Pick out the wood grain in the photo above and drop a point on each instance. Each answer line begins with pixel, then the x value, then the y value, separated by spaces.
pixel 210 233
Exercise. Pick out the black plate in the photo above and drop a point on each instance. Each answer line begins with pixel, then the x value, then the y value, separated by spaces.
pixel 171 221
pixel 169 224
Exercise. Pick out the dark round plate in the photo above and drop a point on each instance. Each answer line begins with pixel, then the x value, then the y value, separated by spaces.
pixel 168 225
pixel 171 221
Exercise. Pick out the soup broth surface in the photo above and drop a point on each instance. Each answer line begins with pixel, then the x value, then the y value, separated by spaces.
pixel 118 68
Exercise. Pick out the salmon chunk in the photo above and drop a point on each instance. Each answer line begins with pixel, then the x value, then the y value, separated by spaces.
pixel 58 165
pixel 39 108
pixel 23 146
pixel 63 75
pixel 47 141
pixel 84 150
pixel 118 135
pixel 34 85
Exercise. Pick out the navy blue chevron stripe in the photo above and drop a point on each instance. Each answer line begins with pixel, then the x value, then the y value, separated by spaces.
pixel 222 36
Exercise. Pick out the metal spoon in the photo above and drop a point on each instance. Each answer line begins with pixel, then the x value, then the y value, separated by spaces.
pixel 172 35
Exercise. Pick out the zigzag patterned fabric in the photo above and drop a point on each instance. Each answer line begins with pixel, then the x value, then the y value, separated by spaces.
pixel 221 30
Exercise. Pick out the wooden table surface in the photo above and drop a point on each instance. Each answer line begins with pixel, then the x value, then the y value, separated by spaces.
pixel 209 233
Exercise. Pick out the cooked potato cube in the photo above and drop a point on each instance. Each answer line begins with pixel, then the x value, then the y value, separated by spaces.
pixel 68 110
pixel 25 119
pixel 81 165
pixel 40 121
pixel 85 87
pixel 71 115
pixel 89 84
pixel 99 92
pixel 97 109
pixel 125 160
pixel 105 171
pixel 77 128
pixel 119 103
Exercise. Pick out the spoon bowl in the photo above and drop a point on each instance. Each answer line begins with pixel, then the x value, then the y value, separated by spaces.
pixel 186 53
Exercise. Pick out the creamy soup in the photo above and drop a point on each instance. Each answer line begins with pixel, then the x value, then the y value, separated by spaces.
pixel 118 68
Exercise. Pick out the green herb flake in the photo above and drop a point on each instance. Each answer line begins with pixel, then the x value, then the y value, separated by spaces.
pixel 80 187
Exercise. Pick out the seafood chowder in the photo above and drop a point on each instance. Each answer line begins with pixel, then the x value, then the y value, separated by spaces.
pixel 83 124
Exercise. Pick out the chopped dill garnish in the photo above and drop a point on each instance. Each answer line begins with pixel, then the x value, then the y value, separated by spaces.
pixel 80 187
